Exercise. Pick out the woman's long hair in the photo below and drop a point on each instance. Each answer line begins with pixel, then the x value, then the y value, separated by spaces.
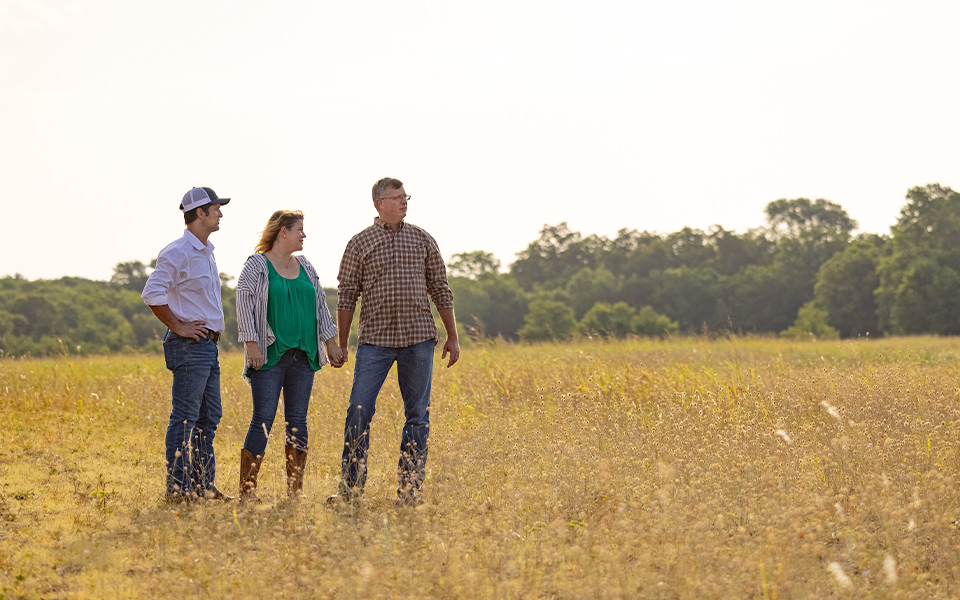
pixel 277 221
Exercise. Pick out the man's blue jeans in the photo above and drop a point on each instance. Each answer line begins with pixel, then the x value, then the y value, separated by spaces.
pixel 414 374
pixel 293 375
pixel 191 464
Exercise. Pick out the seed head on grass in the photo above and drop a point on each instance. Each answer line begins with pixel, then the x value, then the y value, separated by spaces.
pixel 842 578
pixel 890 570
pixel 831 410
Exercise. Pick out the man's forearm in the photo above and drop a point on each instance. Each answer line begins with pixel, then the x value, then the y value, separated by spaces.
pixel 191 329
pixel 449 322
pixel 166 316
pixel 344 322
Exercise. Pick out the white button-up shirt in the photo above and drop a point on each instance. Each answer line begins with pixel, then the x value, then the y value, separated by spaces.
pixel 187 280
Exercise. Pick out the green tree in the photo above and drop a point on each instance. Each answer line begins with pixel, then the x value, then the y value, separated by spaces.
pixel 733 253
pixel 473 265
pixel 589 286
pixel 638 290
pixel 647 322
pixel 555 256
pixel 41 317
pixel 650 252
pixel 690 248
pixel 130 275
pixel 491 305
pixel 767 297
pixel 760 298
pixel 916 292
pixel 926 300
pixel 930 224
pixel 548 320
pixel 811 322
pixel 147 330
pixel 846 284
pixel 608 320
pixel 690 296
pixel 792 219
pixel 507 306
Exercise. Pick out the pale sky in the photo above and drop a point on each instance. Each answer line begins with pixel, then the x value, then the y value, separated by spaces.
pixel 499 116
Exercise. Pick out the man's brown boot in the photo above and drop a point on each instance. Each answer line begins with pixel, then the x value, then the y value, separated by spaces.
pixel 296 461
pixel 249 467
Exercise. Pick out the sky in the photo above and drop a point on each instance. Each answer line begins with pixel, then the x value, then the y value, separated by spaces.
pixel 500 117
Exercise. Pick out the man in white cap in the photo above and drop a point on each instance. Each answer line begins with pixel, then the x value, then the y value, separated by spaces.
pixel 184 293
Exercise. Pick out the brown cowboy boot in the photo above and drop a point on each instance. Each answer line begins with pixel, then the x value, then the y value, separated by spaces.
pixel 249 467
pixel 296 461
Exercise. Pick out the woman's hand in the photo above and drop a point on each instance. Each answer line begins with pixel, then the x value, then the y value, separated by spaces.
pixel 253 353
pixel 335 353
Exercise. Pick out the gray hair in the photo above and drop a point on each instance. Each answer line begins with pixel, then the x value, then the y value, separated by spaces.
pixel 387 183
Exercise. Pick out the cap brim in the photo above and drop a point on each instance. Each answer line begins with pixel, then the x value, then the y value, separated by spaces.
pixel 220 201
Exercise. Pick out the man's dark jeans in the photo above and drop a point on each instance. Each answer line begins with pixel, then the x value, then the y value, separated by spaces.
pixel 191 464
pixel 414 374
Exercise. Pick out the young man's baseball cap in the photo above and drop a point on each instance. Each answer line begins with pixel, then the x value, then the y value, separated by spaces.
pixel 200 196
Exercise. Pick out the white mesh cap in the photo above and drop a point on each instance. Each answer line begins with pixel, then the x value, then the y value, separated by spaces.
pixel 200 196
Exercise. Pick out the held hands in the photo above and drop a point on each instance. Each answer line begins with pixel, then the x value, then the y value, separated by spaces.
pixel 336 354
pixel 452 347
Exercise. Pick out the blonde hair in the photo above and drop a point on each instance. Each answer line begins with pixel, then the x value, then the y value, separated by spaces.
pixel 277 221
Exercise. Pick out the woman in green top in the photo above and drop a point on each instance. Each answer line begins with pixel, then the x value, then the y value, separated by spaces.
pixel 283 321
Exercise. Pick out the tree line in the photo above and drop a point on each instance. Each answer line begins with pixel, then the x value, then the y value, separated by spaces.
pixel 72 315
pixel 800 273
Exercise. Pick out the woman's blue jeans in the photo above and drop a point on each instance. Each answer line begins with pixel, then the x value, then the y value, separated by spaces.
pixel 196 412
pixel 414 374
pixel 292 374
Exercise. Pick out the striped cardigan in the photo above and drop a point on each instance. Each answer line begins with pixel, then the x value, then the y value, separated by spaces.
pixel 252 293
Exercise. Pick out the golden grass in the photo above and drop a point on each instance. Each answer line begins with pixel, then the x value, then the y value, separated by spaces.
pixel 678 469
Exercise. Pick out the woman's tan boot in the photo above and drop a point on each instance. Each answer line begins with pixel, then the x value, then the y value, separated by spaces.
pixel 296 461
pixel 249 467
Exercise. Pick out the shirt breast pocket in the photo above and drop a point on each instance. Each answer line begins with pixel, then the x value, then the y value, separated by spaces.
pixel 416 254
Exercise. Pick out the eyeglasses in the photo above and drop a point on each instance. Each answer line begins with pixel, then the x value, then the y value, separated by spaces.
pixel 397 198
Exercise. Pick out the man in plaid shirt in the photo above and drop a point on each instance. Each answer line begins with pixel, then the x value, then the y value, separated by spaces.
pixel 393 266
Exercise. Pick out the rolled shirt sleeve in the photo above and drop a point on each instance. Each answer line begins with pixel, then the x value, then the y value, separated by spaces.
pixel 436 273
pixel 162 279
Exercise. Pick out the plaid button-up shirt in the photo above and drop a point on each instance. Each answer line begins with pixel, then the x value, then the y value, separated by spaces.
pixel 393 272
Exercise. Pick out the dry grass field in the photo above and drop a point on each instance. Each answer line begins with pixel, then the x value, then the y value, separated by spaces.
pixel 689 468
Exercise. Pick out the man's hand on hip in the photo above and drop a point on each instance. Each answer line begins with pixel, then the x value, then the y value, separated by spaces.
pixel 191 329
pixel 187 329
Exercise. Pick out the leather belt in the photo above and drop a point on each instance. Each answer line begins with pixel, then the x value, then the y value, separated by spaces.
pixel 213 335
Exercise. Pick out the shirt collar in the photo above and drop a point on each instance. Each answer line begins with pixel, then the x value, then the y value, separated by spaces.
pixel 386 226
pixel 196 243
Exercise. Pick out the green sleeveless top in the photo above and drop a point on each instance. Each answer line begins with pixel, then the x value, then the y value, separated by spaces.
pixel 292 314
